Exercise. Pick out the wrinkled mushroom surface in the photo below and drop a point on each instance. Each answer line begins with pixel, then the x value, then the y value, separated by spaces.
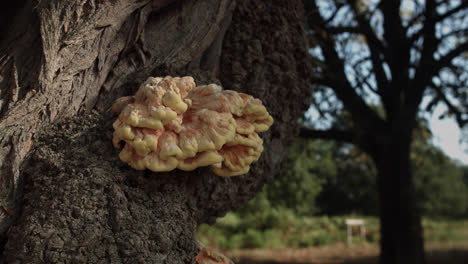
pixel 172 123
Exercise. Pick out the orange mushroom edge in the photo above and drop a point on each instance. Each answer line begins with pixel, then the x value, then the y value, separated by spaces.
pixel 171 123
pixel 211 256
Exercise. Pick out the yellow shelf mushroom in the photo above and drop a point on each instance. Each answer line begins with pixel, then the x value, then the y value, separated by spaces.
pixel 172 123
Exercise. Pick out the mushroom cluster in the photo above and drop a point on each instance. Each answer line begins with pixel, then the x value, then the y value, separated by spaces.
pixel 172 123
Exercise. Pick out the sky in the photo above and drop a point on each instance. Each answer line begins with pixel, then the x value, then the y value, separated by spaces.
pixel 445 132
pixel 446 135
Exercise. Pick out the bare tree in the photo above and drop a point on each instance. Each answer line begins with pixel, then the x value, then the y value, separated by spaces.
pixel 66 197
pixel 389 54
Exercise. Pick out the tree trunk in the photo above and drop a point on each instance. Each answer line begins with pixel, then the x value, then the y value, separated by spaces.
pixel 400 221
pixel 66 196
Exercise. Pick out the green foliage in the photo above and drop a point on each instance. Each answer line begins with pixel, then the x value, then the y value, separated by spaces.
pixel 293 231
pixel 354 188
pixel 323 177
pixel 465 174
pixel 440 183
pixel 249 230
pixel 307 167
pixel 440 187
pixel 336 179
pixel 289 230
pixel 444 230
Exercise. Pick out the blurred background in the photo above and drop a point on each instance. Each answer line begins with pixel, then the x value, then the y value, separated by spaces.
pixel 330 177
pixel 300 217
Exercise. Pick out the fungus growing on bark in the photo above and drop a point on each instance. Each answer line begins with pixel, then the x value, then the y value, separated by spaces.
pixel 211 256
pixel 172 123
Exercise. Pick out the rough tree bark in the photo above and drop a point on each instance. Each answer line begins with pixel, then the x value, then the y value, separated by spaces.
pixel 66 197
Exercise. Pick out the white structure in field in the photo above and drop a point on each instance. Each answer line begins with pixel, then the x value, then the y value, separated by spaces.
pixel 350 223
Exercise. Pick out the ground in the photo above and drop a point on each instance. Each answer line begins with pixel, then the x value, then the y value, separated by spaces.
pixel 340 253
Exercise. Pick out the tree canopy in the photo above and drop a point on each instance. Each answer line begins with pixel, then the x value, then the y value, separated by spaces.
pixel 327 178
pixel 364 48
pixel 406 56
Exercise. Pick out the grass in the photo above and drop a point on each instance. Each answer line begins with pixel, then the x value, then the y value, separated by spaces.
pixel 279 229
pixel 443 230
pixel 341 253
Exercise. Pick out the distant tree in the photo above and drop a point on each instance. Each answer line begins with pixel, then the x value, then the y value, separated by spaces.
pixel 353 189
pixel 465 174
pixel 439 184
pixel 395 53
pixel 308 165
pixel 326 177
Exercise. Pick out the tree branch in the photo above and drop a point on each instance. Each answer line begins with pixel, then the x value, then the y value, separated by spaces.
pixel 460 7
pixel 437 19
pixel 376 49
pixel 447 59
pixel 414 20
pixel 363 80
pixel 361 61
pixel 424 71
pixel 398 58
pixel 452 108
pixel 334 74
pixel 330 134
pixel 394 33
pixel 375 45
pixel 339 30
pixel 455 32
pixel 336 77
pixel 338 7
pixel 364 29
